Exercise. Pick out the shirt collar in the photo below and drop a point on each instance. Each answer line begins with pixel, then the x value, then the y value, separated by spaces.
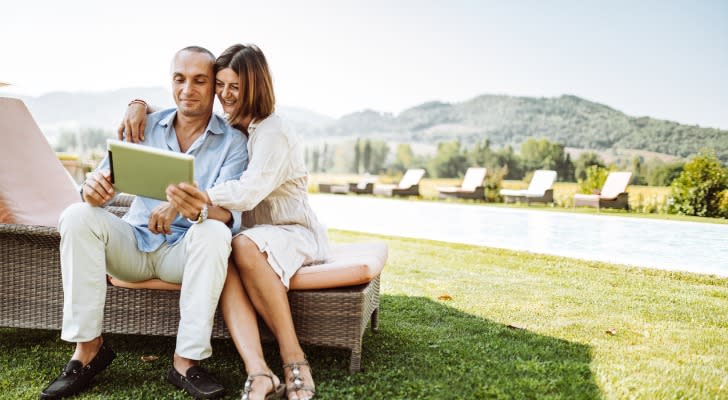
pixel 215 126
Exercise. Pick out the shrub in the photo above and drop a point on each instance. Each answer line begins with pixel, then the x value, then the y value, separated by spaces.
pixel 595 177
pixel 699 189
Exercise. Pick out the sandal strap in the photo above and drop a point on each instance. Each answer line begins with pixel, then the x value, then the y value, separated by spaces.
pixel 249 380
pixel 296 364
pixel 292 388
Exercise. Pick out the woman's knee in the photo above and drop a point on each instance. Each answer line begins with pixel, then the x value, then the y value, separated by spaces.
pixel 245 253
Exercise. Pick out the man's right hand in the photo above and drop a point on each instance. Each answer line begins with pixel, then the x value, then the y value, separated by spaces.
pixel 133 124
pixel 97 188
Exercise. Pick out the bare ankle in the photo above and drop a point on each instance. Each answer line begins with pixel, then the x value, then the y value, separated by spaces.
pixel 86 351
pixel 182 364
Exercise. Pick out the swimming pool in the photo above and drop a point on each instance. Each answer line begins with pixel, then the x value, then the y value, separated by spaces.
pixel 671 245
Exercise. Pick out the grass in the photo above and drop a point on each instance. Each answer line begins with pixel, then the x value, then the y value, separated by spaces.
pixel 461 321
pixel 645 201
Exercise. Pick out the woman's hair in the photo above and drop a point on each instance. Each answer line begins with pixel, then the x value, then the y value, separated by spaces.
pixel 256 97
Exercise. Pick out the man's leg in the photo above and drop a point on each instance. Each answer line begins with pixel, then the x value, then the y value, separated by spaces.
pixel 90 238
pixel 199 262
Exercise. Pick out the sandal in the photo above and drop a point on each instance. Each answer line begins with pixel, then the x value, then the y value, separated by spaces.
pixel 276 392
pixel 296 379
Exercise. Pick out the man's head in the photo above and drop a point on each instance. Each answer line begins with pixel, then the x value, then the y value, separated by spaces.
pixel 193 81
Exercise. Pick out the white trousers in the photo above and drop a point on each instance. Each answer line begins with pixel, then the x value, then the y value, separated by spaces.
pixel 95 242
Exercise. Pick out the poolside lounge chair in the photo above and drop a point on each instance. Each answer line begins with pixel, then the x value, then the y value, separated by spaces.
pixel 409 185
pixel 471 188
pixel 613 194
pixel 364 186
pixel 539 190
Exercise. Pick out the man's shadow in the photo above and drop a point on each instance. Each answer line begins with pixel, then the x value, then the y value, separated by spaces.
pixel 424 349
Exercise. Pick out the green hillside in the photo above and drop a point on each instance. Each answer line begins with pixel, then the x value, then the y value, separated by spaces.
pixel 570 120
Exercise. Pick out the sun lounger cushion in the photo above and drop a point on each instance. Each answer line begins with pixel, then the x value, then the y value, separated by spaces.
pixel 348 265
pixel 34 186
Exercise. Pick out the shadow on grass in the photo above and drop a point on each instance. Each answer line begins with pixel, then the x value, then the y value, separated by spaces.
pixel 424 350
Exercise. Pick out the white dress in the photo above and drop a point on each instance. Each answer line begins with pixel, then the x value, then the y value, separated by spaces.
pixel 272 192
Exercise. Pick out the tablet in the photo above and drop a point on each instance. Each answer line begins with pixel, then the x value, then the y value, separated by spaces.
pixel 147 171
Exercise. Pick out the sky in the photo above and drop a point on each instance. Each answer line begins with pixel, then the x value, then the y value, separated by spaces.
pixel 664 59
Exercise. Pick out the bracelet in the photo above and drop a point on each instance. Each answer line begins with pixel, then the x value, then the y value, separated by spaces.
pixel 138 101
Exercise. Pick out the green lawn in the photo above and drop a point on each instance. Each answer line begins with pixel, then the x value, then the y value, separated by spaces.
pixel 462 321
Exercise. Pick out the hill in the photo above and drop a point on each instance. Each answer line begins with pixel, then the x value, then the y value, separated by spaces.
pixel 509 120
pixel 504 120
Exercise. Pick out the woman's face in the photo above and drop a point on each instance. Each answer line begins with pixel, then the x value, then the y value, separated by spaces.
pixel 227 89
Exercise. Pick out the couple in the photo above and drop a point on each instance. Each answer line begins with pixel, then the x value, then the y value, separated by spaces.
pixel 192 239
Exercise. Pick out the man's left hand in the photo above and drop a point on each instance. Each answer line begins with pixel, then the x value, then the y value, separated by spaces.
pixel 160 221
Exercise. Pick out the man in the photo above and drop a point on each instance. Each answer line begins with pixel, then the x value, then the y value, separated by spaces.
pixel 153 240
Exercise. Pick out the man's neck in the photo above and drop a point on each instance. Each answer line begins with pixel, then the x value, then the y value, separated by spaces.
pixel 188 129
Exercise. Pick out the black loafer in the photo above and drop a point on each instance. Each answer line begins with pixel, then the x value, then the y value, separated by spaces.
pixel 198 383
pixel 75 377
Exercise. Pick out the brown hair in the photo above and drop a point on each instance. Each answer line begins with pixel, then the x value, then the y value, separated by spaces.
pixel 256 98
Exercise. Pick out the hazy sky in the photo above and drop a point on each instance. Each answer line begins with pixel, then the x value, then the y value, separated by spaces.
pixel 666 59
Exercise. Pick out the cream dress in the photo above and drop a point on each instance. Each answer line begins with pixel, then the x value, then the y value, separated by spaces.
pixel 272 193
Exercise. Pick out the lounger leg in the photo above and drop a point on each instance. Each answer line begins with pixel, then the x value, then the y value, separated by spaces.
pixel 375 320
pixel 355 364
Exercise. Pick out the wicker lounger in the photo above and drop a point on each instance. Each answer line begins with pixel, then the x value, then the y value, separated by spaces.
pixel 31 296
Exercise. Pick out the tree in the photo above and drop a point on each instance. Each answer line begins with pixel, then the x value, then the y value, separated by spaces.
pixel 449 161
pixel 583 162
pixel 543 154
pixel 700 188
pixel 355 168
pixel 663 174
pixel 379 153
pixel 315 157
pixel 367 156
pixel 403 158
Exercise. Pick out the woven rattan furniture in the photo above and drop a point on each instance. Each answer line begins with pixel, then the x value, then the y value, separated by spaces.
pixel 31 296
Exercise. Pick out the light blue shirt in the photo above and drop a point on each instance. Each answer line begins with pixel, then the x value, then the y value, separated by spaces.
pixel 221 154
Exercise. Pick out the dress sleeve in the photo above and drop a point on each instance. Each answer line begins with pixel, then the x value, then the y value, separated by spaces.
pixel 268 168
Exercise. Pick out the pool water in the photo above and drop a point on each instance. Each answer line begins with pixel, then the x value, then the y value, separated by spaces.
pixel 671 245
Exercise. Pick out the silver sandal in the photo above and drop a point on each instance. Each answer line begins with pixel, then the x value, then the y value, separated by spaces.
pixel 296 379
pixel 276 392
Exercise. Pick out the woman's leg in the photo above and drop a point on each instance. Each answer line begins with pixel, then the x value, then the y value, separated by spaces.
pixel 242 323
pixel 270 299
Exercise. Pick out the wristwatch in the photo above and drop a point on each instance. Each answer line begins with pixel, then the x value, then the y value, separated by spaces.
pixel 201 217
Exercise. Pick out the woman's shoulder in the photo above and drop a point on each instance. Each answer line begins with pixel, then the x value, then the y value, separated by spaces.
pixel 272 122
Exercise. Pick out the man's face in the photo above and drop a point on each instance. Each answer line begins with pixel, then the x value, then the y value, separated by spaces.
pixel 193 83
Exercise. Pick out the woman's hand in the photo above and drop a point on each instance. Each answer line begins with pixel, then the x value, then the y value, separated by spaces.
pixel 187 199
pixel 133 124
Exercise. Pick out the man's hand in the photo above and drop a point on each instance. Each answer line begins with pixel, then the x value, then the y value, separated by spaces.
pixel 97 188
pixel 160 221
pixel 133 124
pixel 187 199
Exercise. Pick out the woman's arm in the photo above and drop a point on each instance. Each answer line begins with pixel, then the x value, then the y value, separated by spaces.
pixel 135 120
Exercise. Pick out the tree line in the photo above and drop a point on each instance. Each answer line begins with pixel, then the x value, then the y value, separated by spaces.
pixel 452 158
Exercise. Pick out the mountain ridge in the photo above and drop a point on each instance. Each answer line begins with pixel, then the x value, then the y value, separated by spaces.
pixel 503 119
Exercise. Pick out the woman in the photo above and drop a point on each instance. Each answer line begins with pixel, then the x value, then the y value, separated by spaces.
pixel 283 232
